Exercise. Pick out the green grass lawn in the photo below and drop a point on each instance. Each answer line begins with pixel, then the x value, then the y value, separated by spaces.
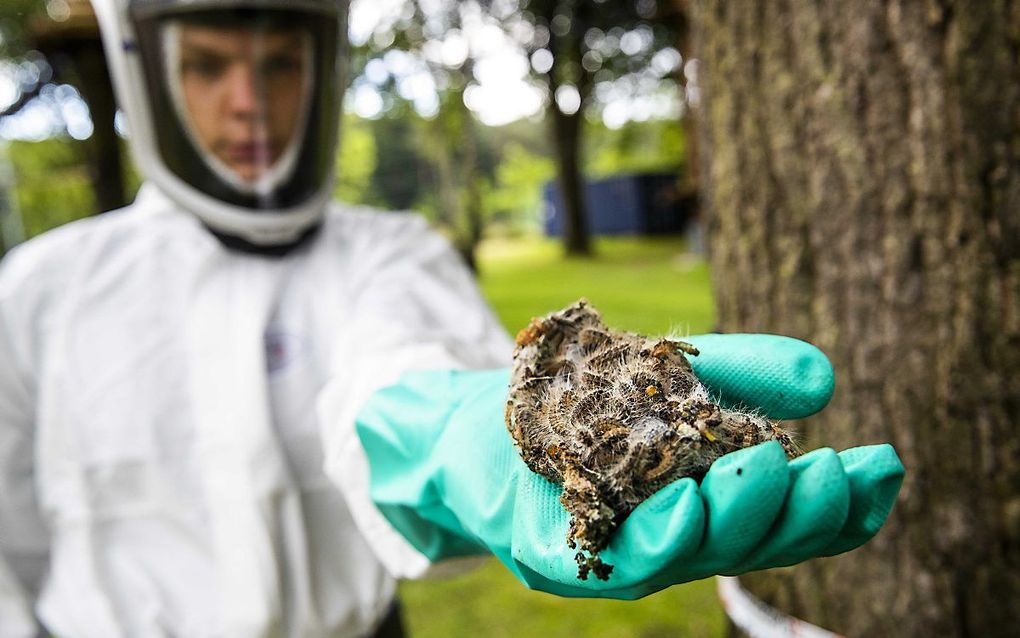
pixel 646 285
pixel 650 286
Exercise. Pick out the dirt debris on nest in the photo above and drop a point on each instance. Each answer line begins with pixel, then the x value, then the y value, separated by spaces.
pixel 614 416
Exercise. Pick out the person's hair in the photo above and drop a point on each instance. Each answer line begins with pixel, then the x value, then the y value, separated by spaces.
pixel 247 19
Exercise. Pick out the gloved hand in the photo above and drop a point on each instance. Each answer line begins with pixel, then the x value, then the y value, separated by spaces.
pixel 447 476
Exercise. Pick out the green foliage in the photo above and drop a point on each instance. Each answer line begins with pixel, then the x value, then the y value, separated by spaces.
pixel 651 286
pixel 14 21
pixel 589 41
pixel 429 207
pixel 50 183
pixel 514 201
pixel 356 161
pixel 636 147
pixel 395 182
pixel 530 133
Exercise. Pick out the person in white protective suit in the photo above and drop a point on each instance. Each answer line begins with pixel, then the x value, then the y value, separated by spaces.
pixel 178 378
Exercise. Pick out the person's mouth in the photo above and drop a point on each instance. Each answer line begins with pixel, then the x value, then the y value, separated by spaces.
pixel 258 153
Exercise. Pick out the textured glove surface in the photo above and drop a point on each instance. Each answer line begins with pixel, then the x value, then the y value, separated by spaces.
pixel 446 474
pixel 785 378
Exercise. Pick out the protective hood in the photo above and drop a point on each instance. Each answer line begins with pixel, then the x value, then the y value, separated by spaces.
pixel 232 106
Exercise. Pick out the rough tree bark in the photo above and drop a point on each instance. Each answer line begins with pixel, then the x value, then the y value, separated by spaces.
pixel 862 172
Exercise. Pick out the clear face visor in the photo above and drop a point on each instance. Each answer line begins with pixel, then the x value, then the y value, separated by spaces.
pixel 242 97
pixel 244 100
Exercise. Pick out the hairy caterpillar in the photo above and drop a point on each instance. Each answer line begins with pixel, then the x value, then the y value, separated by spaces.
pixel 614 416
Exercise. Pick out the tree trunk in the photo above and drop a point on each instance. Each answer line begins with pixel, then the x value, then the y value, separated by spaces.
pixel 73 47
pixel 862 180
pixel 567 127
pixel 567 133
pixel 679 13
pixel 106 170
pixel 446 184
pixel 473 204
pixel 451 141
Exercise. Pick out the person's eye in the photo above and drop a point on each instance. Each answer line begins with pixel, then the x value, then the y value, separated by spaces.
pixel 203 68
pixel 281 65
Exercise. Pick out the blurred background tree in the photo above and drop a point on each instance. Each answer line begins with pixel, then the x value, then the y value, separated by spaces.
pixel 426 63
pixel 61 66
pixel 581 52
pixel 65 159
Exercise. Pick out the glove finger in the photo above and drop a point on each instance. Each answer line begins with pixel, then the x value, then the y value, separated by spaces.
pixel 665 528
pixel 875 475
pixel 743 492
pixel 783 377
pixel 814 512
pixel 638 557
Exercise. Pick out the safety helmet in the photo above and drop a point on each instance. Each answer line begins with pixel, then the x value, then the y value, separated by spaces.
pixel 232 106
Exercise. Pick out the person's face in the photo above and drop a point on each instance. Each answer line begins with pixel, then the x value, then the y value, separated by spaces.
pixel 244 92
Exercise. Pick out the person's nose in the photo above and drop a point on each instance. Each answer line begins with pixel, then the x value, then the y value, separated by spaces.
pixel 244 99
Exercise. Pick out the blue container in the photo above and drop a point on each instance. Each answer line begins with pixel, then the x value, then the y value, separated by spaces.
pixel 645 204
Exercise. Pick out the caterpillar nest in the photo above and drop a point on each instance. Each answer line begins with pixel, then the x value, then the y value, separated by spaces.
pixel 612 417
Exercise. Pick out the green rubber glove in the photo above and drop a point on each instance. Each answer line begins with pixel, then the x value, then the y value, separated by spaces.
pixel 446 474
pixel 783 377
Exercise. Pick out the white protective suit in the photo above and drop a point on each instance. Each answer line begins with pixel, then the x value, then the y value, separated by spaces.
pixel 177 455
